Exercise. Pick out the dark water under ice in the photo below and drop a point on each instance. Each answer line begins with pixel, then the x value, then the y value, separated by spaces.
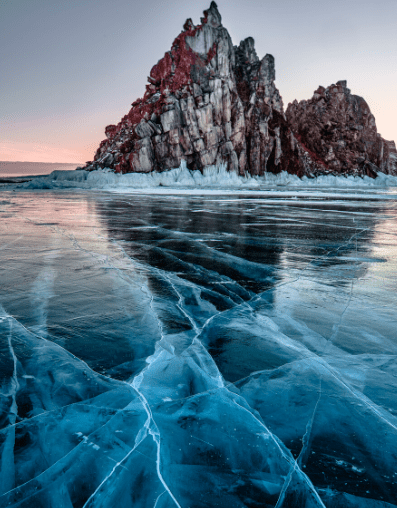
pixel 197 351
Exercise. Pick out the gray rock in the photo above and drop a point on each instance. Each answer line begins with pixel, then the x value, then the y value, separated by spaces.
pixel 209 102
pixel 170 120
pixel 144 129
pixel 143 158
pixel 204 118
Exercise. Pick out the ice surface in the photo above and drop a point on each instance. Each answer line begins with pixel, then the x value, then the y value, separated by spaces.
pixel 197 351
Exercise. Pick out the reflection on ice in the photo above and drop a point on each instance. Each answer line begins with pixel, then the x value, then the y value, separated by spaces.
pixel 188 352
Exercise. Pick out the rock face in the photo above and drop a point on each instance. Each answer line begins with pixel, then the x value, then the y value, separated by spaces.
pixel 209 102
pixel 340 129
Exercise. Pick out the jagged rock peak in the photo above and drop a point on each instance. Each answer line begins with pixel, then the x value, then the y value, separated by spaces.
pixel 212 16
pixel 202 106
pixel 209 102
pixel 245 52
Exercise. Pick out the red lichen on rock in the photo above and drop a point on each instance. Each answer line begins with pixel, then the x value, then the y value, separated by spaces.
pixel 204 20
pixel 338 130
pixel 174 70
pixel 162 70
pixel 211 53
pixel 312 154
pixel 110 131
pixel 138 111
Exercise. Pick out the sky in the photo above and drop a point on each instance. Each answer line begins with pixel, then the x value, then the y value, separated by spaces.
pixel 68 68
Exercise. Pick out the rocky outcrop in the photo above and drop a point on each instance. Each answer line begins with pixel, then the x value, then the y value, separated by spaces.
pixel 209 102
pixel 340 130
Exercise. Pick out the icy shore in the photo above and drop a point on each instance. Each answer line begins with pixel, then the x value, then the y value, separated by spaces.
pixel 213 177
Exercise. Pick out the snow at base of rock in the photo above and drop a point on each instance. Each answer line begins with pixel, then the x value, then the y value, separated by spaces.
pixel 213 177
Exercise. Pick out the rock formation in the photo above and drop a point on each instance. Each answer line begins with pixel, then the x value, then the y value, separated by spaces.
pixel 340 129
pixel 207 102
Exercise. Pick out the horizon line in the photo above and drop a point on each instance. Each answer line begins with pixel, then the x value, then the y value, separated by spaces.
pixel 39 162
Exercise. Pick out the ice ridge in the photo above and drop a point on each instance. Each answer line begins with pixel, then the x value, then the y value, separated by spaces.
pixel 212 177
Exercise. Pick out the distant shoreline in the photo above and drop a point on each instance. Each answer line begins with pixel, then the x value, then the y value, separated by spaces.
pixel 14 169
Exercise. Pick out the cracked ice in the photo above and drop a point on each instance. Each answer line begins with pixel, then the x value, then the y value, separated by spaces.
pixel 195 351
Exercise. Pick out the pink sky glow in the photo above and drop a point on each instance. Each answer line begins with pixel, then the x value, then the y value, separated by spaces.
pixel 69 69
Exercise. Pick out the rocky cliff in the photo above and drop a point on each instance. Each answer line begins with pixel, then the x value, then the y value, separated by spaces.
pixel 340 129
pixel 209 102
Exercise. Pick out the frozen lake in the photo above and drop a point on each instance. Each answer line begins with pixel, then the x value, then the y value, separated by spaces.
pixel 192 351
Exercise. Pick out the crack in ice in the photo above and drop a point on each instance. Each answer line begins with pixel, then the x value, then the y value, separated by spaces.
pixel 306 439
pixel 153 431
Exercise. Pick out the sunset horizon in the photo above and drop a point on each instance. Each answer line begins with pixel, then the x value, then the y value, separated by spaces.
pixel 63 86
